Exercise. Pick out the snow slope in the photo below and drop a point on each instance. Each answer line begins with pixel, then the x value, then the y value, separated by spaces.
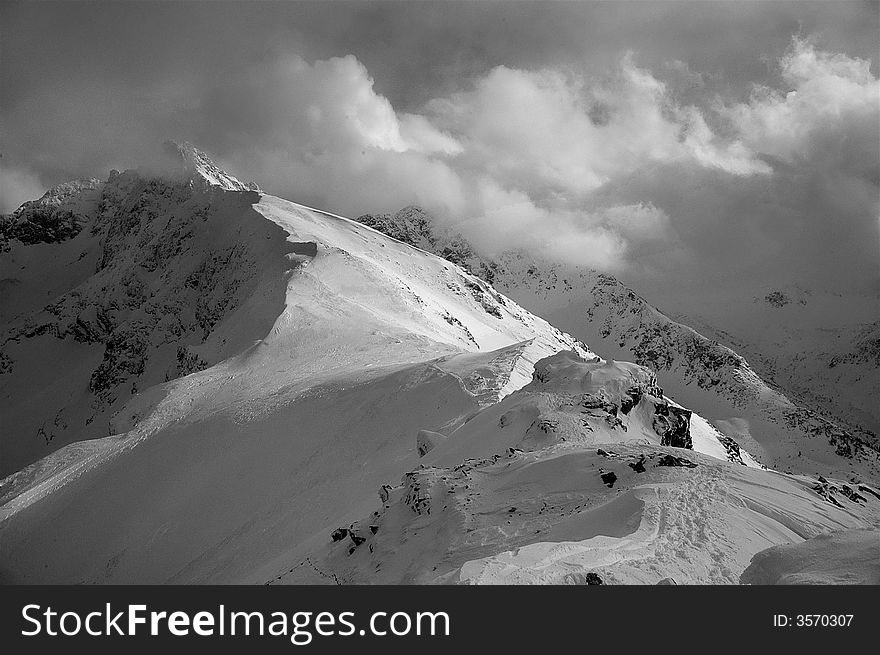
pixel 556 484
pixel 783 428
pixel 845 557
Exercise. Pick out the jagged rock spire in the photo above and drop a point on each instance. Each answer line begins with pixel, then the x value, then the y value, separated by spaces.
pixel 197 165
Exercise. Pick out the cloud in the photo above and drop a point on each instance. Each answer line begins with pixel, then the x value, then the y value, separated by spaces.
pixel 781 187
pixel 647 170
pixel 515 160
pixel 16 187
pixel 538 147
pixel 569 135
pixel 827 91
pixel 319 132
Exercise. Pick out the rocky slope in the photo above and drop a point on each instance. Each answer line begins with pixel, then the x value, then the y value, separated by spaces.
pixel 113 287
pixel 823 348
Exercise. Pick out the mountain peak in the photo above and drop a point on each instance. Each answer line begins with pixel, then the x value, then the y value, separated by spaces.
pixel 196 164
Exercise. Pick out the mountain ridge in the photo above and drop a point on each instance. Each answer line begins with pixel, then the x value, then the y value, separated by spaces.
pixel 599 309
pixel 262 368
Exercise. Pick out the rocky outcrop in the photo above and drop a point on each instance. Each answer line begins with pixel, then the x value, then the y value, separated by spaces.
pixel 827 490
pixel 146 226
pixel 637 463
pixel 589 578
pixel 672 460
pixel 194 167
pixel 608 478
pixel 673 425
pixel 59 215
pixel 409 225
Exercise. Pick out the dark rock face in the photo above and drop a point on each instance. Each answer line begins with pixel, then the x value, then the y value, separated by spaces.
pixel 673 425
pixel 161 263
pixel 852 495
pixel 51 219
pixel 609 478
pixel 634 396
pixel 593 578
pixel 734 453
pixel 672 460
pixel 827 490
pixel 43 225
pixel 639 465
pixel 777 299
pixel 547 425
pixel 580 578
pixel 355 534
pixel 146 227
pixel 488 298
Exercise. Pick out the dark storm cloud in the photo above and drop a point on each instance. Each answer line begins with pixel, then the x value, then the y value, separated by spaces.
pixel 646 137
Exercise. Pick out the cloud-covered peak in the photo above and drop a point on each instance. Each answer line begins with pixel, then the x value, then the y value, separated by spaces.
pixel 197 165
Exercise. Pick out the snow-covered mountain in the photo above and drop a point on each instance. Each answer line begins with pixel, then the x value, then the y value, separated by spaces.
pixel 822 347
pixel 771 416
pixel 112 287
pixel 236 375
pixel 184 305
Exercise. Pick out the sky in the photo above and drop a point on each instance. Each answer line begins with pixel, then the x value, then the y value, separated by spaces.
pixel 696 145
